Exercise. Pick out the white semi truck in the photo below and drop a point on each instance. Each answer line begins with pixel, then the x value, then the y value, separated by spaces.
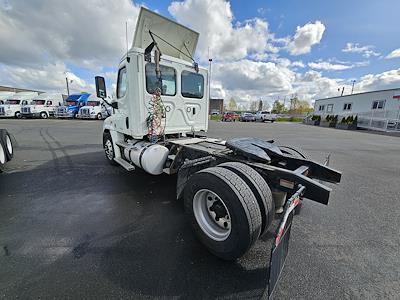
pixel 4 96
pixel 13 105
pixel 42 106
pixel 94 109
pixel 229 188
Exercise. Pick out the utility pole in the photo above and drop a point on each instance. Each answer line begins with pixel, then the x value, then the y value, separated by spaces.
pixel 352 88
pixel 66 80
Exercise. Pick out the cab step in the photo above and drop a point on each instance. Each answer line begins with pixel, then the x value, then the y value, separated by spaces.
pixel 127 166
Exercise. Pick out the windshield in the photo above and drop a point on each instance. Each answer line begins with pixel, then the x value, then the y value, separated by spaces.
pixel 93 103
pixel 38 102
pixel 13 101
pixel 71 103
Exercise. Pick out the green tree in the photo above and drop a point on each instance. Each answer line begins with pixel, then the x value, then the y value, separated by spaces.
pixel 278 107
pixel 232 104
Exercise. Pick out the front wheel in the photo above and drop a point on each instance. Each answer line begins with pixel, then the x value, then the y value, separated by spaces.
pixel 18 115
pixel 223 211
pixel 44 115
pixel 109 148
pixel 99 116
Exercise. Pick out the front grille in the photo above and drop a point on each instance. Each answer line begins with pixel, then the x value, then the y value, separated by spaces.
pixel 85 111
pixel 61 110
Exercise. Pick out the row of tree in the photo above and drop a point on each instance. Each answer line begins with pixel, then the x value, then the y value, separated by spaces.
pixel 296 106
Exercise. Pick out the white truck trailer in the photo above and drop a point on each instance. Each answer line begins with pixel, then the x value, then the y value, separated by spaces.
pixel 94 109
pixel 13 105
pixel 229 188
pixel 42 106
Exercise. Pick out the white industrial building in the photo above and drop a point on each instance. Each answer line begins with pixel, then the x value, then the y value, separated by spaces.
pixel 379 110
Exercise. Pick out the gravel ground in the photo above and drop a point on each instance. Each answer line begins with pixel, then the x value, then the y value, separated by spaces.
pixel 72 226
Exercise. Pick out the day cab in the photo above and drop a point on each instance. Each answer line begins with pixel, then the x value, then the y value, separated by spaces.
pixel 42 106
pixel 72 105
pixel 13 105
pixel 94 109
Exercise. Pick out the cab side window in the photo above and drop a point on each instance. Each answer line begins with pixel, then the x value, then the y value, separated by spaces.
pixel 121 83
pixel 168 80
pixel 192 85
pixel 49 102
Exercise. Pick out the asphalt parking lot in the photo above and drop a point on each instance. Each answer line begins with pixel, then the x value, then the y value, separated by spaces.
pixel 72 226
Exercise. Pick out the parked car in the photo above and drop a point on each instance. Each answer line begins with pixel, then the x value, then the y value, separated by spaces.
pixel 247 117
pixel 264 116
pixel 230 117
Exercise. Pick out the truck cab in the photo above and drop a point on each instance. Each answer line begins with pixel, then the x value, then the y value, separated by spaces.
pixel 4 96
pixel 13 105
pixel 72 105
pixel 42 106
pixel 94 109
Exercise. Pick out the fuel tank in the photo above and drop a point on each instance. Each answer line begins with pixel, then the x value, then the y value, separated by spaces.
pixel 147 156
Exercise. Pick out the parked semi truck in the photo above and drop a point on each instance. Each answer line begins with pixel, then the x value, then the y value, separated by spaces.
pixel 13 105
pixel 94 109
pixel 42 106
pixel 6 148
pixel 230 188
pixel 72 105
pixel 4 96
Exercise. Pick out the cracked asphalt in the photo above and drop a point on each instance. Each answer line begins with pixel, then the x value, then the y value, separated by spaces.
pixel 72 226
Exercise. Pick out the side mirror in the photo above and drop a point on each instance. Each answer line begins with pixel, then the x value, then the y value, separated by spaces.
pixel 100 87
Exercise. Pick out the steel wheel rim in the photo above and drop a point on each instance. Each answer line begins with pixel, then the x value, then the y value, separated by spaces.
pixel 2 155
pixel 9 144
pixel 109 150
pixel 212 215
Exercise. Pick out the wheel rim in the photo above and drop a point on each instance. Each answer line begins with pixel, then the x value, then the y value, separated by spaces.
pixel 9 144
pixel 212 215
pixel 44 116
pixel 99 116
pixel 2 154
pixel 108 148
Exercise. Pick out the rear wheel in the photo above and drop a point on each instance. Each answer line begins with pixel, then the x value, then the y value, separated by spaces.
pixel 294 151
pixel 7 144
pixel 109 148
pixel 260 189
pixel 223 211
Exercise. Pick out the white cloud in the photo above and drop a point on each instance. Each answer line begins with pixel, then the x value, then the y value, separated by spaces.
pixel 49 77
pixel 394 54
pixel 366 51
pixel 386 80
pixel 227 40
pixel 305 37
pixel 84 33
pixel 327 66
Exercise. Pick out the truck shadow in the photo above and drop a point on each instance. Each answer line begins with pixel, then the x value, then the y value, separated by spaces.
pixel 138 233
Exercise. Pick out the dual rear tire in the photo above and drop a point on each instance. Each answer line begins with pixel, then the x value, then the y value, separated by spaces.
pixel 6 148
pixel 229 206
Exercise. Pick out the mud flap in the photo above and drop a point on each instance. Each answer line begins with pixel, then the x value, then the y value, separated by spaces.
pixel 280 248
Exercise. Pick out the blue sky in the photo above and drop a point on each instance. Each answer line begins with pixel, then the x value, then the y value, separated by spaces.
pixel 255 44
